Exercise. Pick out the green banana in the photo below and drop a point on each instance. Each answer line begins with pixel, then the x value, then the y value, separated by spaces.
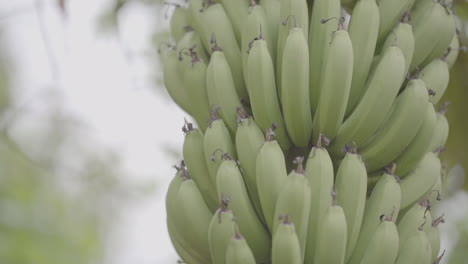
pixel 319 38
pixel 195 160
pixel 332 235
pixel 195 79
pixel 285 246
pixel 217 28
pixel 271 176
pixel 418 146
pixel 454 50
pixel 385 200
pixel 221 89
pixel 297 11
pixel 390 12
pixel 229 182
pixel 402 34
pixel 295 88
pixel 416 250
pixel 220 232
pixel 238 251
pixel 272 12
pixel 370 112
pixel 195 8
pixel 237 11
pixel 433 28
pixel 192 218
pixel 441 131
pixel 294 200
pixel 179 22
pixel 351 185
pixel 419 182
pixel 363 31
pixel 417 217
pixel 334 90
pixel 383 246
pixel 436 77
pixel 173 83
pixel 433 235
pixel 262 90
pixel 217 141
pixel 182 248
pixel 400 127
pixel 192 43
pixel 319 172
pixel 249 140
pixel 255 27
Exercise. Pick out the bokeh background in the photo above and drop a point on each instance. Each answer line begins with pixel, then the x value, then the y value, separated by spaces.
pixel 88 135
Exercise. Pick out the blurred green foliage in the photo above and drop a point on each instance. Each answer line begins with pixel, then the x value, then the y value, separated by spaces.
pixel 457 94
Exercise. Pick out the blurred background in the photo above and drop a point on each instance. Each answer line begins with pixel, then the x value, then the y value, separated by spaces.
pixel 88 134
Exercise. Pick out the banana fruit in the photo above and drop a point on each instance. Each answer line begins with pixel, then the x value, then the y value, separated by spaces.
pixel 350 85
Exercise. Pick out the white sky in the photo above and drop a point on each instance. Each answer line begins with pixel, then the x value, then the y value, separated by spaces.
pixel 113 93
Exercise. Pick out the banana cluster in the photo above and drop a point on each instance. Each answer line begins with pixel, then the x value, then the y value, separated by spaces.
pixel 318 139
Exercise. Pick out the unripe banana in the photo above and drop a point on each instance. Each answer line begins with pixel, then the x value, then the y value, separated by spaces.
pixel 196 14
pixel 195 160
pixel 403 36
pixel 351 185
pixel 319 40
pixel 173 83
pixel 217 27
pixel 249 140
pixel 182 248
pixel 262 90
pixel 454 50
pixel 179 22
pixel 255 27
pixel 237 11
pixel 416 250
pixel 363 31
pixel 319 172
pixel 385 200
pixel 271 176
pixel 272 12
pixel 390 11
pixel 433 28
pixel 220 232
pixel 417 217
pixel 436 77
pixel 335 87
pixel 231 184
pixel 217 141
pixel 238 251
pixel 191 44
pixel 294 200
pixel 433 235
pixel 383 246
pixel 441 131
pixel 295 88
pixel 416 150
pixel 370 112
pixel 332 236
pixel 400 128
pixel 418 183
pixel 221 89
pixel 286 247
pixel 290 11
pixel 192 218
pixel 195 79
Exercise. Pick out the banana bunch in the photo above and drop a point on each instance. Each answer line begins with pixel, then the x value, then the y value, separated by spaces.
pixel 318 137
